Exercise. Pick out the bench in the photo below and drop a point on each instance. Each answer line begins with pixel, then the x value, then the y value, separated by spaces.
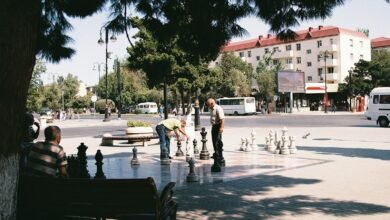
pixel 53 198
pixel 108 139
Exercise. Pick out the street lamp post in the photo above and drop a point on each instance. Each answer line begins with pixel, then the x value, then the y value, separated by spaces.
pixel 98 68
pixel 325 55
pixel 101 42
pixel 197 108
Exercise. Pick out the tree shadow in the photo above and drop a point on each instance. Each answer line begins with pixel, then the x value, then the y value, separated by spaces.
pixel 244 199
pixel 350 152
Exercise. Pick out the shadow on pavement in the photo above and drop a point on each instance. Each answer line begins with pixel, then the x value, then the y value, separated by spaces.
pixel 244 199
pixel 351 152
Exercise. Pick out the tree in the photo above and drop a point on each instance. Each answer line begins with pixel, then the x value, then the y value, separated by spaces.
pixel 70 87
pixel 33 27
pixel 35 90
pixel 266 77
pixel 52 96
pixel 235 77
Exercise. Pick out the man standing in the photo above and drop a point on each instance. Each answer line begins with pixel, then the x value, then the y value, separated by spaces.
pixel 167 128
pixel 48 158
pixel 217 120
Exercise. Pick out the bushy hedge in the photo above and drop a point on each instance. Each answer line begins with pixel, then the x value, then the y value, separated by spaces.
pixel 132 123
pixel 101 104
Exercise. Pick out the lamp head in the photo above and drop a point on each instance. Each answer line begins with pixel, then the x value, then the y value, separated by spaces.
pixel 100 41
pixel 113 38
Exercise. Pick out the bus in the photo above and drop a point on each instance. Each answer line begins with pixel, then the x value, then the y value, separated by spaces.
pixel 238 105
pixel 148 107
pixel 378 108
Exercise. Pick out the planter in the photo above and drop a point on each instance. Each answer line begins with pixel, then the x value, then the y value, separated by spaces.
pixel 139 131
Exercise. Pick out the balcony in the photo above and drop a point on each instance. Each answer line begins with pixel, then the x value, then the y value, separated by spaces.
pixel 283 54
pixel 331 76
pixel 329 62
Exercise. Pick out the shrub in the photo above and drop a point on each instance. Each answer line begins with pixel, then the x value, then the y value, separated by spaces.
pixel 101 104
pixel 138 124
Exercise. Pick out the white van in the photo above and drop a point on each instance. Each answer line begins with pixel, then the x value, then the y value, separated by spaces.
pixel 238 105
pixel 378 107
pixel 148 107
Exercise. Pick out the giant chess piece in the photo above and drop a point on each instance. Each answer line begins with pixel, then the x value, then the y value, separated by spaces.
pixel 82 156
pixel 271 144
pixel 292 147
pixel 204 154
pixel 242 147
pixel 284 131
pixel 165 160
pixel 196 150
pixel 253 136
pixel 192 177
pixel 285 149
pixel 135 161
pixel 99 165
pixel 247 145
pixel 179 152
pixel 216 165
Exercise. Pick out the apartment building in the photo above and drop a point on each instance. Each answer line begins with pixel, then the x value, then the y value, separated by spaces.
pixel 380 43
pixel 315 51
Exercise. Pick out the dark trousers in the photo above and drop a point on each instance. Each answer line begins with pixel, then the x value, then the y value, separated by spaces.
pixel 217 140
pixel 164 140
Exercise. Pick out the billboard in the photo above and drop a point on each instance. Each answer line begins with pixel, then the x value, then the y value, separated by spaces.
pixel 291 81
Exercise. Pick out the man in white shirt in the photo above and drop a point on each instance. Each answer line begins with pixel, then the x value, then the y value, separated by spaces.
pixel 217 120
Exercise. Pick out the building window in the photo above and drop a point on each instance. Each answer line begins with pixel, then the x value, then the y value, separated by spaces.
pixel 266 50
pixel 308 51
pixel 331 41
pixel 289 60
pixel 330 70
pixel 308 63
pixel 319 43
pixel 276 49
pixel 288 47
pixel 309 78
pixel 249 53
pixel 257 58
pixel 351 42
pixel 351 56
pixel 361 44
pixel 275 62
pixel 299 60
pixel 242 54
pixel 361 56
pixel 319 58
pixel 319 71
pixel 298 47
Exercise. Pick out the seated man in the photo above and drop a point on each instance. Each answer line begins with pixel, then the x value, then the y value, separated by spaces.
pixel 48 158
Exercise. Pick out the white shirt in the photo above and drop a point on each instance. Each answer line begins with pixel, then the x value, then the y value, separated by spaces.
pixel 216 115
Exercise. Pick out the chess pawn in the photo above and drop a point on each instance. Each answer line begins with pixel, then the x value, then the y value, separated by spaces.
pixel 135 161
pixel 242 148
pixel 192 177
pixel 285 150
pixel 292 147
pixel 253 136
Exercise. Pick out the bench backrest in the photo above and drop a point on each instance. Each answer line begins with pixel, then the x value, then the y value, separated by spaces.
pixel 89 197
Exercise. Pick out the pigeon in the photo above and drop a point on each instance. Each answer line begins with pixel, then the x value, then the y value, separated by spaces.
pixel 306 135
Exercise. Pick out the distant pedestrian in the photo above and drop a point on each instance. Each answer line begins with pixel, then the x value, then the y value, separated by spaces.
pixel 167 128
pixel 217 120
pixel 334 108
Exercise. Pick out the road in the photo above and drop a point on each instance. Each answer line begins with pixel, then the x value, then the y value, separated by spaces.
pixel 271 121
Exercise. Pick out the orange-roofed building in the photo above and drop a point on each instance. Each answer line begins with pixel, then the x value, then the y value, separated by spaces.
pixel 380 43
pixel 343 47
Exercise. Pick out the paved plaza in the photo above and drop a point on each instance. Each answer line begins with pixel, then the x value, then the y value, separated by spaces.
pixel 337 173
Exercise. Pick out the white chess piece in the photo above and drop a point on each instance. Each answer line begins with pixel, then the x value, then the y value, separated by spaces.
pixel 285 150
pixel 247 145
pixel 242 147
pixel 292 147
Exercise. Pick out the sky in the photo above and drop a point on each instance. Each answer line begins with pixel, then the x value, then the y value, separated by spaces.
pixel 373 15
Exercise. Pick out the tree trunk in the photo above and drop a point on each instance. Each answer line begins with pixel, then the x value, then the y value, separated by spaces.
pixel 19 21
